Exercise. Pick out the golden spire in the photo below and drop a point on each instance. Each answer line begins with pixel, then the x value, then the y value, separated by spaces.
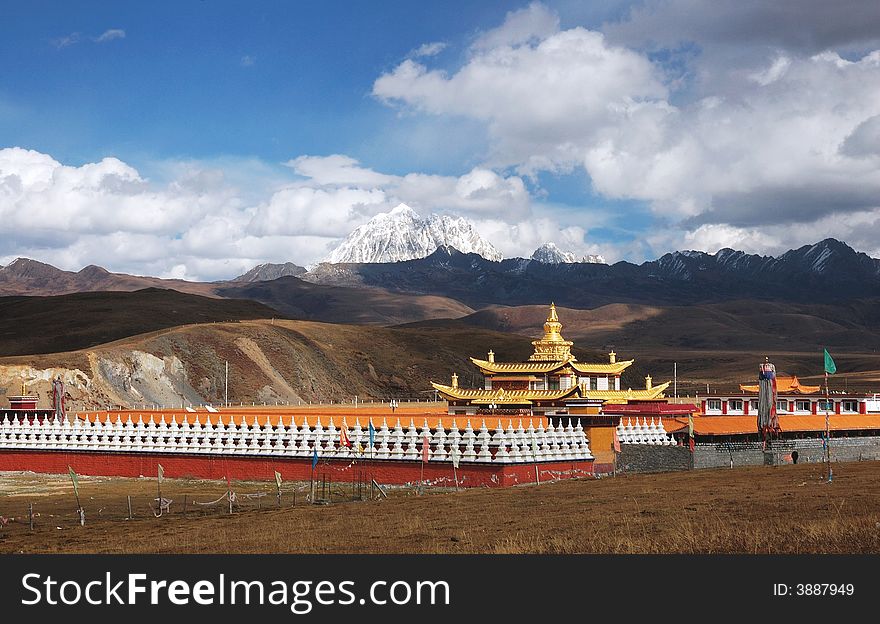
pixel 491 356
pixel 552 347
pixel 612 357
pixel 455 380
pixel 648 382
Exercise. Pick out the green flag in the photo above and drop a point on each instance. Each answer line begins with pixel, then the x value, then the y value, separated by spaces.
pixel 74 479
pixel 830 366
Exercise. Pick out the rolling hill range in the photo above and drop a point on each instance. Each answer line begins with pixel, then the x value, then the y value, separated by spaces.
pixel 279 360
pixel 295 298
pixel 719 344
pixel 31 325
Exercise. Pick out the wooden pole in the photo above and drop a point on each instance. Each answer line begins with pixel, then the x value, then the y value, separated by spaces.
pixel 129 507
pixel 827 431
pixel 31 515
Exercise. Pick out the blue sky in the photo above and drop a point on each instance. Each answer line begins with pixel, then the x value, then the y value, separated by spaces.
pixel 611 116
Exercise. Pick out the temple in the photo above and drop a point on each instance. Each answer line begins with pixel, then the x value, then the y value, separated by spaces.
pixel 551 382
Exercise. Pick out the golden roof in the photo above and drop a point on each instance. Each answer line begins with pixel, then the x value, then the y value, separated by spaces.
pixel 613 368
pixel 520 397
pixel 549 367
pixel 501 396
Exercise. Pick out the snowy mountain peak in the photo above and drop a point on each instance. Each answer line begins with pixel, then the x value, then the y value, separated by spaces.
pixel 402 234
pixel 549 253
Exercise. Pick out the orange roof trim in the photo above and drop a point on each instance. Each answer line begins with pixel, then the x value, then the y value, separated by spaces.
pixel 785 385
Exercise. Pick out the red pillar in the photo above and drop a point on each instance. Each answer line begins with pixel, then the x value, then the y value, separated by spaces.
pixel 746 406
pixel 704 406
pixel 724 406
pixel 837 407
pixel 863 407
pixel 814 406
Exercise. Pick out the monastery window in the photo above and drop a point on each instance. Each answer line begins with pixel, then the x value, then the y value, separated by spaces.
pixel 735 405
pixel 713 405
pixel 602 383
pixel 617 383
pixel 594 383
pixel 802 406
pixel 849 406
pixel 753 405
pixel 564 382
pixel 554 384
pixel 781 406
pixel 826 405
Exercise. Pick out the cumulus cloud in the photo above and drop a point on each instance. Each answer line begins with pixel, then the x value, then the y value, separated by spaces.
pixel 200 223
pixel 543 99
pixel 716 141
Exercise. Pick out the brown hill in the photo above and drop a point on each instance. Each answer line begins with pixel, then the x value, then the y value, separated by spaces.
pixel 30 277
pixel 337 304
pixel 79 320
pixel 292 297
pixel 279 360
pixel 718 344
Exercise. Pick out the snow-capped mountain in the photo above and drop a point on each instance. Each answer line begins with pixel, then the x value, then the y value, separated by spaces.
pixel 403 235
pixel 549 253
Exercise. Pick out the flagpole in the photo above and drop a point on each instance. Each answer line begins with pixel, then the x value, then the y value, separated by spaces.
pixel 827 431
pixel 159 490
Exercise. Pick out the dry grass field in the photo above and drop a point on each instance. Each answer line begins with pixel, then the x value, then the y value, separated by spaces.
pixel 784 509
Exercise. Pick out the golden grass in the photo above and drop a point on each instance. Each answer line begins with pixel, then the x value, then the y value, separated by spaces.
pixel 786 509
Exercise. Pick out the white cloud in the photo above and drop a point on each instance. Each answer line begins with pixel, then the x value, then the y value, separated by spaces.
pixel 66 40
pixel 429 49
pixel 542 100
pixel 247 60
pixel 202 223
pixel 110 35
pixel 73 38
pixel 720 148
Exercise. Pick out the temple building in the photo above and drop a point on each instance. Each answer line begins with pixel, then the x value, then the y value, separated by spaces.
pixel 552 382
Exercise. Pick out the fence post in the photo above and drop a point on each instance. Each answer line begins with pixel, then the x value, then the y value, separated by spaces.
pixel 129 508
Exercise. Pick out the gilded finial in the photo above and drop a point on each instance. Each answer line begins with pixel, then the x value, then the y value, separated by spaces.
pixel 648 383
pixel 612 357
pixel 491 356
pixel 455 380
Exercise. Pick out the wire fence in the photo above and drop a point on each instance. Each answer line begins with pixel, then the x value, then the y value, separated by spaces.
pixel 122 500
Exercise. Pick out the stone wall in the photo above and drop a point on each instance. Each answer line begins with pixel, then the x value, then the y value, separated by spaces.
pixel 648 458
pixel 808 450
pixel 651 458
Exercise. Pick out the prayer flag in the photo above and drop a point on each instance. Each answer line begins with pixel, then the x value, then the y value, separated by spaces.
pixel 616 441
pixel 360 448
pixel 75 480
pixel 372 435
pixel 426 449
pixel 161 473
pixel 343 437
pixel 314 458
pixel 278 479
pixel 830 366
